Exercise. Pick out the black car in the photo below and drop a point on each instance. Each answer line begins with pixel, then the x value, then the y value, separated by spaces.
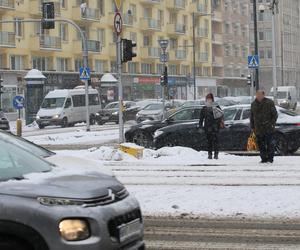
pixel 4 123
pixel 142 134
pixel 111 112
pixel 234 136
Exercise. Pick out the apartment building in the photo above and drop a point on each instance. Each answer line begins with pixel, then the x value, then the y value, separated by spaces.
pixel 58 53
pixel 230 45
pixel 287 43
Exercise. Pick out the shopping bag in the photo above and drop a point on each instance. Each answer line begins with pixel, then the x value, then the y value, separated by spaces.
pixel 252 144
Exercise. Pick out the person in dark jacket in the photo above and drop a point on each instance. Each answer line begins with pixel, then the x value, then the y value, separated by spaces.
pixel 263 120
pixel 211 115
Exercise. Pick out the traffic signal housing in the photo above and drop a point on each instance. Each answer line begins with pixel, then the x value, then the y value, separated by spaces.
pixel 249 80
pixel 1 92
pixel 164 77
pixel 127 53
pixel 48 13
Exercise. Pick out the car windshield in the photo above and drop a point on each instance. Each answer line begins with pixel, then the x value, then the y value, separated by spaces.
pixel 288 112
pixel 19 141
pixel 53 103
pixel 112 105
pixel 16 162
pixel 154 106
pixel 281 95
pixel 192 103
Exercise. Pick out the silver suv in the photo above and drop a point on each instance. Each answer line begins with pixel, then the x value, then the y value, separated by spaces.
pixel 44 207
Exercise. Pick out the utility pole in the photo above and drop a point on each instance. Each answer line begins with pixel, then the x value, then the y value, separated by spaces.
pixel 255 42
pixel 194 57
pixel 274 9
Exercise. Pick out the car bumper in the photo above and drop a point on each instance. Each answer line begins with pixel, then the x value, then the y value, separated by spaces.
pixel 99 218
pixel 4 126
pixel 49 122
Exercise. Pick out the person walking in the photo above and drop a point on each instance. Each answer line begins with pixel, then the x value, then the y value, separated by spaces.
pixel 211 118
pixel 263 120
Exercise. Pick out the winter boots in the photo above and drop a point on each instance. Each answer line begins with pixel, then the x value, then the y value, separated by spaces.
pixel 210 155
pixel 216 155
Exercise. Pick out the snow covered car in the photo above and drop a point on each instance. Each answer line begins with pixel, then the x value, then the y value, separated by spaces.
pixel 235 135
pixel 110 113
pixel 4 123
pixel 46 208
pixel 64 161
pixel 142 133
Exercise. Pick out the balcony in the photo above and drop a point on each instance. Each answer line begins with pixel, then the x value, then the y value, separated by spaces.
pixel 50 42
pixel 176 28
pixel 92 46
pixel 7 39
pixel 151 1
pixel 199 8
pixel 150 24
pixel 202 33
pixel 217 39
pixel 176 4
pixel 86 14
pixel 7 4
pixel 203 57
pixel 218 61
pixel 151 52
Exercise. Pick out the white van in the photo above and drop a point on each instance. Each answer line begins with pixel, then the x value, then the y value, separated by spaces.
pixel 65 107
pixel 286 96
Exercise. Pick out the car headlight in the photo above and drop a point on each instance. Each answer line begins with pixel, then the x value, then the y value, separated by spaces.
pixel 137 115
pixel 74 229
pixel 157 133
pixel 37 117
pixel 55 116
pixel 115 113
pixel 97 114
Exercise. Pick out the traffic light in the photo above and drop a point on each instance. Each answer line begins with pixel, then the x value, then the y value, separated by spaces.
pixel 166 75
pixel 162 80
pixel 127 50
pixel 249 80
pixel 1 92
pixel 48 13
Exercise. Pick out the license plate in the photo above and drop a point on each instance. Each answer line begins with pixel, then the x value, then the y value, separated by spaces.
pixel 129 230
pixel 105 118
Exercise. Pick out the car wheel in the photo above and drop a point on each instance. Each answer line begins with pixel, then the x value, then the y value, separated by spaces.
pixel 64 122
pixel 281 146
pixel 13 244
pixel 293 150
pixel 92 120
pixel 142 139
pixel 100 122
pixel 172 141
pixel 295 106
pixel 41 126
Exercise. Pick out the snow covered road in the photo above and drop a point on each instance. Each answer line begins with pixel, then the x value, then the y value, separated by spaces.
pixel 180 181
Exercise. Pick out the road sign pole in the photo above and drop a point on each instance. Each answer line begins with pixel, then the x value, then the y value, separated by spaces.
pixel 86 84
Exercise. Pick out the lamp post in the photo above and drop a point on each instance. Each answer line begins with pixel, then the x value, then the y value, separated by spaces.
pixel 255 42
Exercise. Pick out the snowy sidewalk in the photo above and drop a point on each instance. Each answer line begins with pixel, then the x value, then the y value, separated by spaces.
pixel 180 181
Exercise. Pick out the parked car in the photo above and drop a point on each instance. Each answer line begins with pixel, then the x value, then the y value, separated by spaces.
pixel 142 133
pixel 286 96
pixel 4 123
pixel 57 159
pixel 110 113
pixel 153 112
pixel 65 107
pixel 235 135
pixel 47 209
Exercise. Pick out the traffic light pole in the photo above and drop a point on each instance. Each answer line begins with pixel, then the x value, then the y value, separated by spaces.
pixel 84 52
pixel 120 89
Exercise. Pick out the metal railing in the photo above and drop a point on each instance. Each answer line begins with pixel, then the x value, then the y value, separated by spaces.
pixel 180 54
pixel 89 13
pixel 94 46
pixel 153 23
pixel 203 56
pixel 180 28
pixel 7 39
pixel 202 32
pixel 154 52
pixel 179 4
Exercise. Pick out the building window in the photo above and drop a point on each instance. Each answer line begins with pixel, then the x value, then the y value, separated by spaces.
pixel 78 64
pixel 101 36
pixel 132 68
pixel 40 63
pixel 16 62
pixel 99 66
pixel 6 103
pixel 63 4
pixel 63 31
pixel 146 68
pixel 269 53
pixel 159 69
pixel 18 27
pixel 62 64
pixel 261 35
pixel 113 67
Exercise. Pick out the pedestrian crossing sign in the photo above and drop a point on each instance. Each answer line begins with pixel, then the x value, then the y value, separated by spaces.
pixel 84 73
pixel 253 62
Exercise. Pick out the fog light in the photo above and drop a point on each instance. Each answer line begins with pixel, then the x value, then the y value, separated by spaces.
pixel 74 229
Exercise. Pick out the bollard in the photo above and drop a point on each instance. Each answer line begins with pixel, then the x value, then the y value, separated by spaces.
pixel 19 127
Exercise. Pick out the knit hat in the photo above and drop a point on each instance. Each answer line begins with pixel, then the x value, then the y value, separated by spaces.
pixel 210 96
